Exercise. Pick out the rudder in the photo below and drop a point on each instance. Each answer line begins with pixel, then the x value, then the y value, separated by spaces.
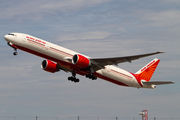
pixel 147 71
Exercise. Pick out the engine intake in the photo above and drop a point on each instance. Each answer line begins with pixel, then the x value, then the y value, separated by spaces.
pixel 49 66
pixel 81 61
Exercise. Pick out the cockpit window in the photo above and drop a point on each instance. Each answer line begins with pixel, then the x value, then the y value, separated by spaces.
pixel 11 34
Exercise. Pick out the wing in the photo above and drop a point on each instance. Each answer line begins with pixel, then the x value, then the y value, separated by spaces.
pixel 101 62
pixel 158 82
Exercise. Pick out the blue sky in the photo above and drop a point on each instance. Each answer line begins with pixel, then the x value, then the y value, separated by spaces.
pixel 97 28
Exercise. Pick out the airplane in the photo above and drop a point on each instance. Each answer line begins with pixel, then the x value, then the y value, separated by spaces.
pixel 59 58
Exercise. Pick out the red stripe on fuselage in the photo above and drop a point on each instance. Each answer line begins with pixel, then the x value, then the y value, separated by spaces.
pixel 71 65
pixel 110 80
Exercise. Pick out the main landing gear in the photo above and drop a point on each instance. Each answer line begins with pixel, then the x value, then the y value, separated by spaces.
pixel 91 76
pixel 73 77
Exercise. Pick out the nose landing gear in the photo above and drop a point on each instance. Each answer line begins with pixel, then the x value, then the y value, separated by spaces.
pixel 14 47
pixel 15 53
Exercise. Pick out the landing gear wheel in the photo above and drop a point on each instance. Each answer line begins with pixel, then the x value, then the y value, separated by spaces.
pixel 15 53
pixel 73 79
pixel 91 76
pixel 69 78
pixel 94 78
pixel 76 80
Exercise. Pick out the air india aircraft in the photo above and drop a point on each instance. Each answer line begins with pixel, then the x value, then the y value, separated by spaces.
pixel 59 58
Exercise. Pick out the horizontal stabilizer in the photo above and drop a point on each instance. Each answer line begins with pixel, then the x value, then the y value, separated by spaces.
pixel 157 82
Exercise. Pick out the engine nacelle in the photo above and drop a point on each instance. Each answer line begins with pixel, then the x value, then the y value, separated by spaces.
pixel 81 61
pixel 49 66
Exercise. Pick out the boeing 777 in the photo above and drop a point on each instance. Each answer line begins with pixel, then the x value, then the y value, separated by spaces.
pixel 59 58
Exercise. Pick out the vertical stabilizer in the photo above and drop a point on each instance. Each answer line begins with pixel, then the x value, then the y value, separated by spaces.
pixel 147 71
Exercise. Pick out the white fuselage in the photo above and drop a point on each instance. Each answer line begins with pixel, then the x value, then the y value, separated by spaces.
pixel 60 55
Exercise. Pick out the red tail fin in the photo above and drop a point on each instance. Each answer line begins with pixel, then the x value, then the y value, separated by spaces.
pixel 147 71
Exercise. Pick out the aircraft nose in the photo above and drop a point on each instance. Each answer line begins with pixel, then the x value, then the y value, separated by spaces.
pixel 6 37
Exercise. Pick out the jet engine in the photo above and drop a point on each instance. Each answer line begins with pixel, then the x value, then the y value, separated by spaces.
pixel 49 66
pixel 81 61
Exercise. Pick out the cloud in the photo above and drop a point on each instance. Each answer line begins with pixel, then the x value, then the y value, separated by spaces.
pixel 162 18
pixel 36 10
pixel 171 1
pixel 2 111
pixel 84 35
pixel 70 5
